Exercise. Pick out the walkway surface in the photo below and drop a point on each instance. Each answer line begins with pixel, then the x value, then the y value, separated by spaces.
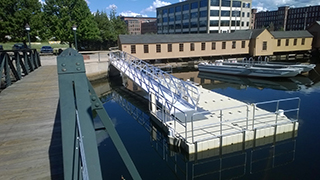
pixel 30 137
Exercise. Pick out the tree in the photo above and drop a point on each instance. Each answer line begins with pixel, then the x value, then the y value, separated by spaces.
pixel 119 26
pixel 104 26
pixel 110 27
pixel 15 14
pixel 61 15
pixel 271 27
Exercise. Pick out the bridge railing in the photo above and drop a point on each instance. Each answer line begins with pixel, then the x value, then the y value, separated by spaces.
pixel 183 89
pixel 77 101
pixel 15 64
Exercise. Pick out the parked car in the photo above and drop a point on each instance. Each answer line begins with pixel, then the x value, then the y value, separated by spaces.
pixel 19 46
pixel 46 49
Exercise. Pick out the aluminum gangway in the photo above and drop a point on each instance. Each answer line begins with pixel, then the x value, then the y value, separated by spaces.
pixel 167 89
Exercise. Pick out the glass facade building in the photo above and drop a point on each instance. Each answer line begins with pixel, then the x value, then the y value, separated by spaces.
pixel 204 16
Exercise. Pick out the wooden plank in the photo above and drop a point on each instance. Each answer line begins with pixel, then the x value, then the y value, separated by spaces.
pixel 30 139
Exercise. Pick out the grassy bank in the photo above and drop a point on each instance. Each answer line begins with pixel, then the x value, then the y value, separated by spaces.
pixel 8 45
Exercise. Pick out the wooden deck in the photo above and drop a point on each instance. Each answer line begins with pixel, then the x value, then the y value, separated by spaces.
pixel 30 138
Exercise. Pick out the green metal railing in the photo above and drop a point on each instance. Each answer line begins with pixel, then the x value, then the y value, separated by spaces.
pixel 15 64
pixel 77 101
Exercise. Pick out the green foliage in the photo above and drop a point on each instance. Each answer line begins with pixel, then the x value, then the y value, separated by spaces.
pixel 110 28
pixel 14 14
pixel 61 15
pixel 271 27
pixel 54 20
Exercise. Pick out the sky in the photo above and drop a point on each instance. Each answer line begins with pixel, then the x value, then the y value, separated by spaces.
pixel 147 8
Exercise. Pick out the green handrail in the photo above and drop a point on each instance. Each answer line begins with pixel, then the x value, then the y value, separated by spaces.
pixel 15 64
pixel 77 101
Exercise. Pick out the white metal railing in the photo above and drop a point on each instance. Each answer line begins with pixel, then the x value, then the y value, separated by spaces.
pixel 180 88
pixel 220 113
pixel 244 121
pixel 247 122
pixel 170 119
pixel 278 111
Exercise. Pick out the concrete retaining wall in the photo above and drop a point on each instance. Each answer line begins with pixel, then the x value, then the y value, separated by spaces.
pixel 97 70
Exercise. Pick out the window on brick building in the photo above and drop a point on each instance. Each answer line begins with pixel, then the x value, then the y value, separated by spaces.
pixel 158 48
pixel 180 47
pixel 223 45
pixel 264 45
pixel 213 45
pixel 133 49
pixel 191 46
pixel 203 46
pixel 169 47
pixel 146 48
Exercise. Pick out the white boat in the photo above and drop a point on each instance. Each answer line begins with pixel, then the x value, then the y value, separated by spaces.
pixel 266 63
pixel 241 69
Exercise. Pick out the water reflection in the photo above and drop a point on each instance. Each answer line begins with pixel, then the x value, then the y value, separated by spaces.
pixel 230 162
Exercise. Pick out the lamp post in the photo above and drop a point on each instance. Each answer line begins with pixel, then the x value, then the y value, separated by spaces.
pixel 28 29
pixel 74 28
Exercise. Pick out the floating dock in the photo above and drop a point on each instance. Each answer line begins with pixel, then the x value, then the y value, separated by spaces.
pixel 221 121
pixel 198 119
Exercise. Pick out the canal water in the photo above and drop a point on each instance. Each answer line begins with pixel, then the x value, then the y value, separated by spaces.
pixel 296 156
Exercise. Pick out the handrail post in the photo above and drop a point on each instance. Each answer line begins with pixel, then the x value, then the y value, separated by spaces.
pixel 247 121
pixel 192 128
pixel 221 123
pixel 253 115
pixel 74 97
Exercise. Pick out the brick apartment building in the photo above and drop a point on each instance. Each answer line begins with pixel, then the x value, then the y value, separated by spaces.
pixel 140 25
pixel 286 18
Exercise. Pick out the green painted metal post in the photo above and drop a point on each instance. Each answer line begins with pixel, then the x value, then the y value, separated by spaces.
pixel 26 63
pixel 74 98
pixel 7 72
pixel 20 63
pixel 18 66
pixel 30 60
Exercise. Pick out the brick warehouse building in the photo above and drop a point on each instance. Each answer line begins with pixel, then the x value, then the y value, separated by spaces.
pixel 286 18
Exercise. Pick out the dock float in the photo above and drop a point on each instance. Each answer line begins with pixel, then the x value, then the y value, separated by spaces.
pixel 221 121
pixel 197 119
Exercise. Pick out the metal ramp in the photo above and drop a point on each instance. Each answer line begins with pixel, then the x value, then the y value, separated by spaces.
pixel 168 90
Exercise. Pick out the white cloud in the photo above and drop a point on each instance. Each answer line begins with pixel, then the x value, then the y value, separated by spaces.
pixel 262 5
pixel 112 6
pixel 132 14
pixel 87 2
pixel 155 5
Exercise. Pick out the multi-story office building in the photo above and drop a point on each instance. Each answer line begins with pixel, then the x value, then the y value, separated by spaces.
pixel 134 25
pixel 149 27
pixel 286 18
pixel 204 16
